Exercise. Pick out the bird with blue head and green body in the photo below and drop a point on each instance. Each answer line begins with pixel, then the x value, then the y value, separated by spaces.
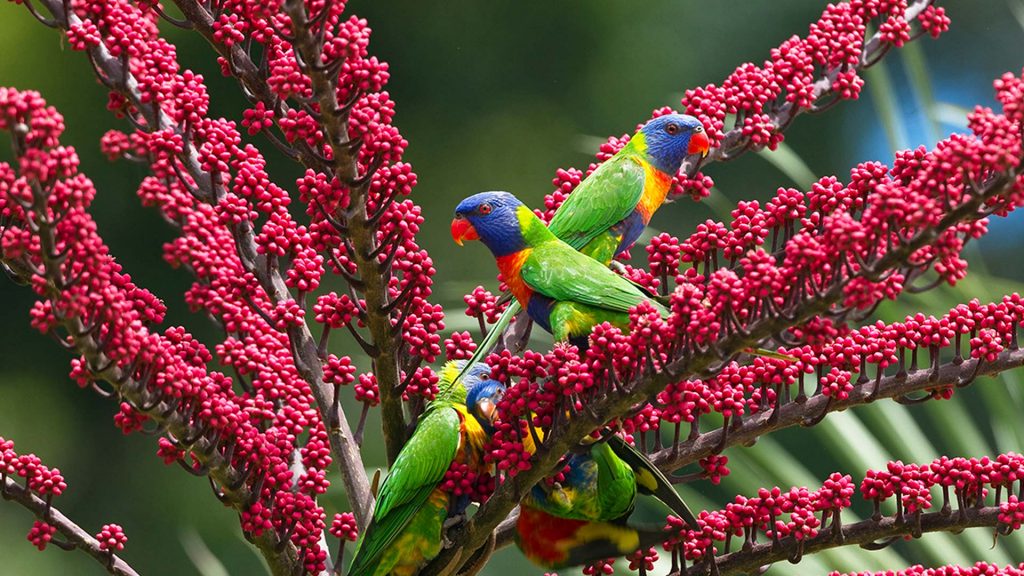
pixel 564 291
pixel 406 530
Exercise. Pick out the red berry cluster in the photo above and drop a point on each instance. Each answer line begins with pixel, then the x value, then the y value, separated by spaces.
pixel 802 514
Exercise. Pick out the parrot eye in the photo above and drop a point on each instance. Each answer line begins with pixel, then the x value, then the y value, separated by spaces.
pixel 484 209
pixel 459 216
pixel 672 129
pixel 698 129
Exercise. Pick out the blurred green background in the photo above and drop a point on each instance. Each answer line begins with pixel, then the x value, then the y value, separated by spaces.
pixel 497 95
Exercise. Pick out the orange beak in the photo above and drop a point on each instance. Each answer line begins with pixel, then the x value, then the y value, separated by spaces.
pixel 699 143
pixel 463 230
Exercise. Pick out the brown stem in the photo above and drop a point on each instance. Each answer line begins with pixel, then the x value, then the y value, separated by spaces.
pixel 749 560
pixel 73 533
pixel 362 232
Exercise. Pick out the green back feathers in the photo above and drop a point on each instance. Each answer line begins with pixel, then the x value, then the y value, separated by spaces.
pixel 561 273
pixel 602 200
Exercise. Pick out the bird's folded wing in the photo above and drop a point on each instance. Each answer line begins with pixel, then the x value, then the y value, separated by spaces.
pixel 417 471
pixel 603 199
pixel 563 274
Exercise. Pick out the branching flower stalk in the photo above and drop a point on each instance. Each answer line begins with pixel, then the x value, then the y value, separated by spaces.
pixel 793 274
pixel 41 485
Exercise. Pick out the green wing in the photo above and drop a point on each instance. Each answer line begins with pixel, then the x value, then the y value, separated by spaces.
pixel 650 480
pixel 557 271
pixel 603 199
pixel 417 471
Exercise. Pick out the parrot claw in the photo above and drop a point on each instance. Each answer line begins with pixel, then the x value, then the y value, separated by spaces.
pixel 454 520
pixel 449 523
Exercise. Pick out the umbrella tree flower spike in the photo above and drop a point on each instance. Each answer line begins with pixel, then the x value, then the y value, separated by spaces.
pixel 287 269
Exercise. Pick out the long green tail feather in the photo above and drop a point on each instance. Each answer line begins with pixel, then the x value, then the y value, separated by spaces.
pixel 491 340
pixel 650 480
pixel 770 354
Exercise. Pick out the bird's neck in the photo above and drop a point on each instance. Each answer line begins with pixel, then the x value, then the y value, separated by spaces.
pixel 509 265
pixel 663 158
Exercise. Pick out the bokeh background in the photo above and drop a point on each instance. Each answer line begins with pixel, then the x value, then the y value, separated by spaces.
pixel 498 95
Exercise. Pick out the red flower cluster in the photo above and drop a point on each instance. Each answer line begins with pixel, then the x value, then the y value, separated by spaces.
pixel 802 514
pixel 979 569
pixel 344 527
pixel 111 538
pixel 45 482
pixel 801 73
pixel 461 480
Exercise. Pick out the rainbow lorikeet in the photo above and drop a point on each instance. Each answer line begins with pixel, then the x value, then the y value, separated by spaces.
pixel 406 530
pixel 608 210
pixel 583 514
pixel 564 291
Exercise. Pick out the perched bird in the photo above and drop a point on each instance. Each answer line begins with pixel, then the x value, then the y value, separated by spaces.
pixel 406 530
pixel 585 515
pixel 564 291
pixel 608 210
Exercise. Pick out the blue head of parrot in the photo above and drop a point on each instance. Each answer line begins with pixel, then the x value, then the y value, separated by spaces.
pixel 483 394
pixel 492 218
pixel 673 137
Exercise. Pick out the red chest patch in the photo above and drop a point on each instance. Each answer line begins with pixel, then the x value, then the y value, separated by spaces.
pixel 509 266
pixel 543 537
pixel 656 186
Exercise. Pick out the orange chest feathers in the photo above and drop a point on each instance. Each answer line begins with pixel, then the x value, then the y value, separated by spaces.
pixel 656 187
pixel 510 266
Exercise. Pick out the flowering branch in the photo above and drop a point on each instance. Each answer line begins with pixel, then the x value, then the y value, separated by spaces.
pixel 777 116
pixel 866 532
pixel 359 225
pixel 813 409
pixel 361 230
pixel 51 520
pixel 112 71
pixel 799 521
pixel 762 101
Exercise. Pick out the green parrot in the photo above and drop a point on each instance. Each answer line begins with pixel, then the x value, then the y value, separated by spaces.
pixel 406 530
pixel 608 211
pixel 586 513
pixel 564 291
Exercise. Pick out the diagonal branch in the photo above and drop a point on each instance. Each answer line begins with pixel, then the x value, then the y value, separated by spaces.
pixel 73 533
pixel 802 413
pixel 734 143
pixel 806 413
pixel 864 532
